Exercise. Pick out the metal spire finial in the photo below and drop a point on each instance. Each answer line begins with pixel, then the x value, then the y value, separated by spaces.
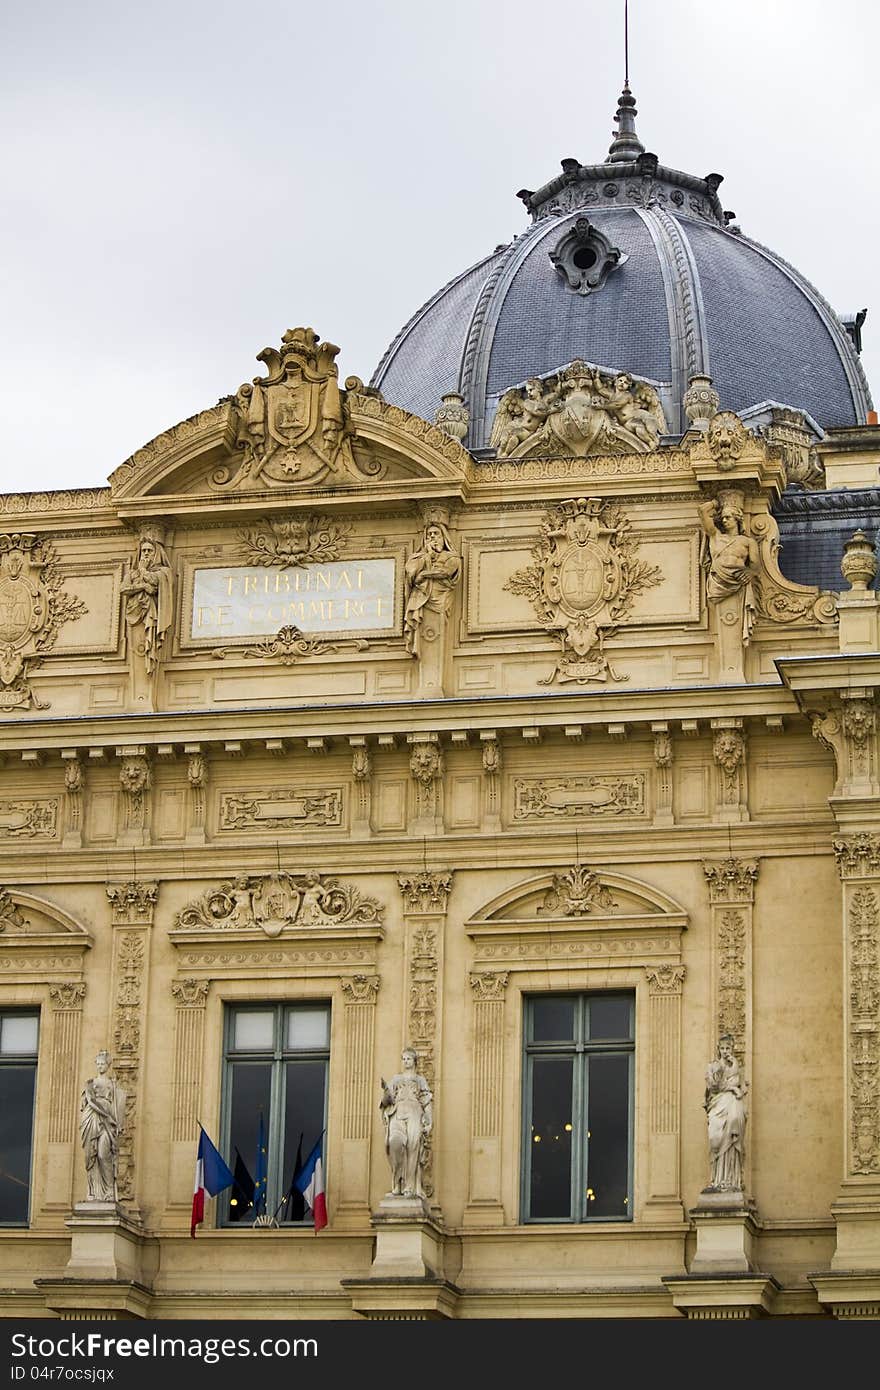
pixel 626 144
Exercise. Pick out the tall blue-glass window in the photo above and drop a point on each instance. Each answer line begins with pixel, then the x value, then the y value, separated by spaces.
pixel 276 1072
pixel 19 1035
pixel 578 1105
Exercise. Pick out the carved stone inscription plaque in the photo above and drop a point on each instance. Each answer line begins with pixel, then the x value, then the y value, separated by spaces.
pixel 565 797
pixel 338 596
pixel 276 810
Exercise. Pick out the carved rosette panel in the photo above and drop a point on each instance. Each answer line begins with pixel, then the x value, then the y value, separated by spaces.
pixel 132 907
pixel 864 1032
pixel 665 983
pixel 66 1001
pixel 731 884
pixel 425 901
pixel 190 997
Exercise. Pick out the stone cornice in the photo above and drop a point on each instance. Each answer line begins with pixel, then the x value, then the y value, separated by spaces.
pixel 553 711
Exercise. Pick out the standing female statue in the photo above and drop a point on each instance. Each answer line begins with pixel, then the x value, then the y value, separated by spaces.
pixel 430 575
pixel 407 1111
pixel 101 1120
pixel 147 588
pixel 726 1113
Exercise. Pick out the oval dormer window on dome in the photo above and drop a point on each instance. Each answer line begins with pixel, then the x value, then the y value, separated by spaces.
pixel 585 258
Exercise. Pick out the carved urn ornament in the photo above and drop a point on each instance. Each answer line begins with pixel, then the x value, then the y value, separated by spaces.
pixel 453 417
pixel 700 401
pixel 859 563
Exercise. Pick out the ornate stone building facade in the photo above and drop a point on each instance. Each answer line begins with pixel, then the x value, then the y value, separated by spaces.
pixel 518 710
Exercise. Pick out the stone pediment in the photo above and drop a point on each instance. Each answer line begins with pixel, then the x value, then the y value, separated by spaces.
pixel 289 433
pixel 579 895
pixel 26 920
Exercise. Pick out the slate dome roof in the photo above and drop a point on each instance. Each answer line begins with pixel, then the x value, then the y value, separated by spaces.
pixel 680 291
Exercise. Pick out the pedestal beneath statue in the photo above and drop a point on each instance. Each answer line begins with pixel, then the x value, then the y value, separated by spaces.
pixel 406 1279
pixel 104 1243
pixel 104 1277
pixel 409 1242
pixel 726 1226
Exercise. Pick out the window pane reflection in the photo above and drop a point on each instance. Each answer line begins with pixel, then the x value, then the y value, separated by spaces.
pixel 610 1017
pixel 550 1137
pixel 608 1144
pixel 553 1018
pixel 16 1126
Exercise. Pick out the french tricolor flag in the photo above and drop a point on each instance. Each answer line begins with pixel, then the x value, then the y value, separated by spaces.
pixel 310 1182
pixel 212 1176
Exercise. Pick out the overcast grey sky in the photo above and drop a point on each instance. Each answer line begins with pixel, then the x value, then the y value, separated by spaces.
pixel 185 179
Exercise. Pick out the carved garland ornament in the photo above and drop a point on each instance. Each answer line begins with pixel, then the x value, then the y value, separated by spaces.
pixel 583 581
pixel 289 645
pixel 278 902
pixel 33 606
pixel 864 1034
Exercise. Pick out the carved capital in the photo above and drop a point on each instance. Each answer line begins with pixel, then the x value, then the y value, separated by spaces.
pixel 859 856
pixel 488 984
pixel 67 996
pixel 132 904
pixel 425 892
pixel 731 880
pixel 190 994
pixel 360 989
pixel 664 979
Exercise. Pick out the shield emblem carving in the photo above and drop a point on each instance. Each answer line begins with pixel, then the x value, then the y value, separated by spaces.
pixel 21 609
pixel 276 903
pixel 291 410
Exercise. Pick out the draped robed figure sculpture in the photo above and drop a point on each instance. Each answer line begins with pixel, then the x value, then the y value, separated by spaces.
pixel 726 1116
pixel 407 1112
pixel 101 1121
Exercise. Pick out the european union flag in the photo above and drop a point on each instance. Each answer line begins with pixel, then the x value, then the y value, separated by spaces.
pixel 242 1199
pixel 260 1171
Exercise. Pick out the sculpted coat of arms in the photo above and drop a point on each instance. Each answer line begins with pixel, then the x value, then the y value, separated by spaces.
pixel 33 607
pixel 579 411
pixel 278 902
pixel 291 426
pixel 583 581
